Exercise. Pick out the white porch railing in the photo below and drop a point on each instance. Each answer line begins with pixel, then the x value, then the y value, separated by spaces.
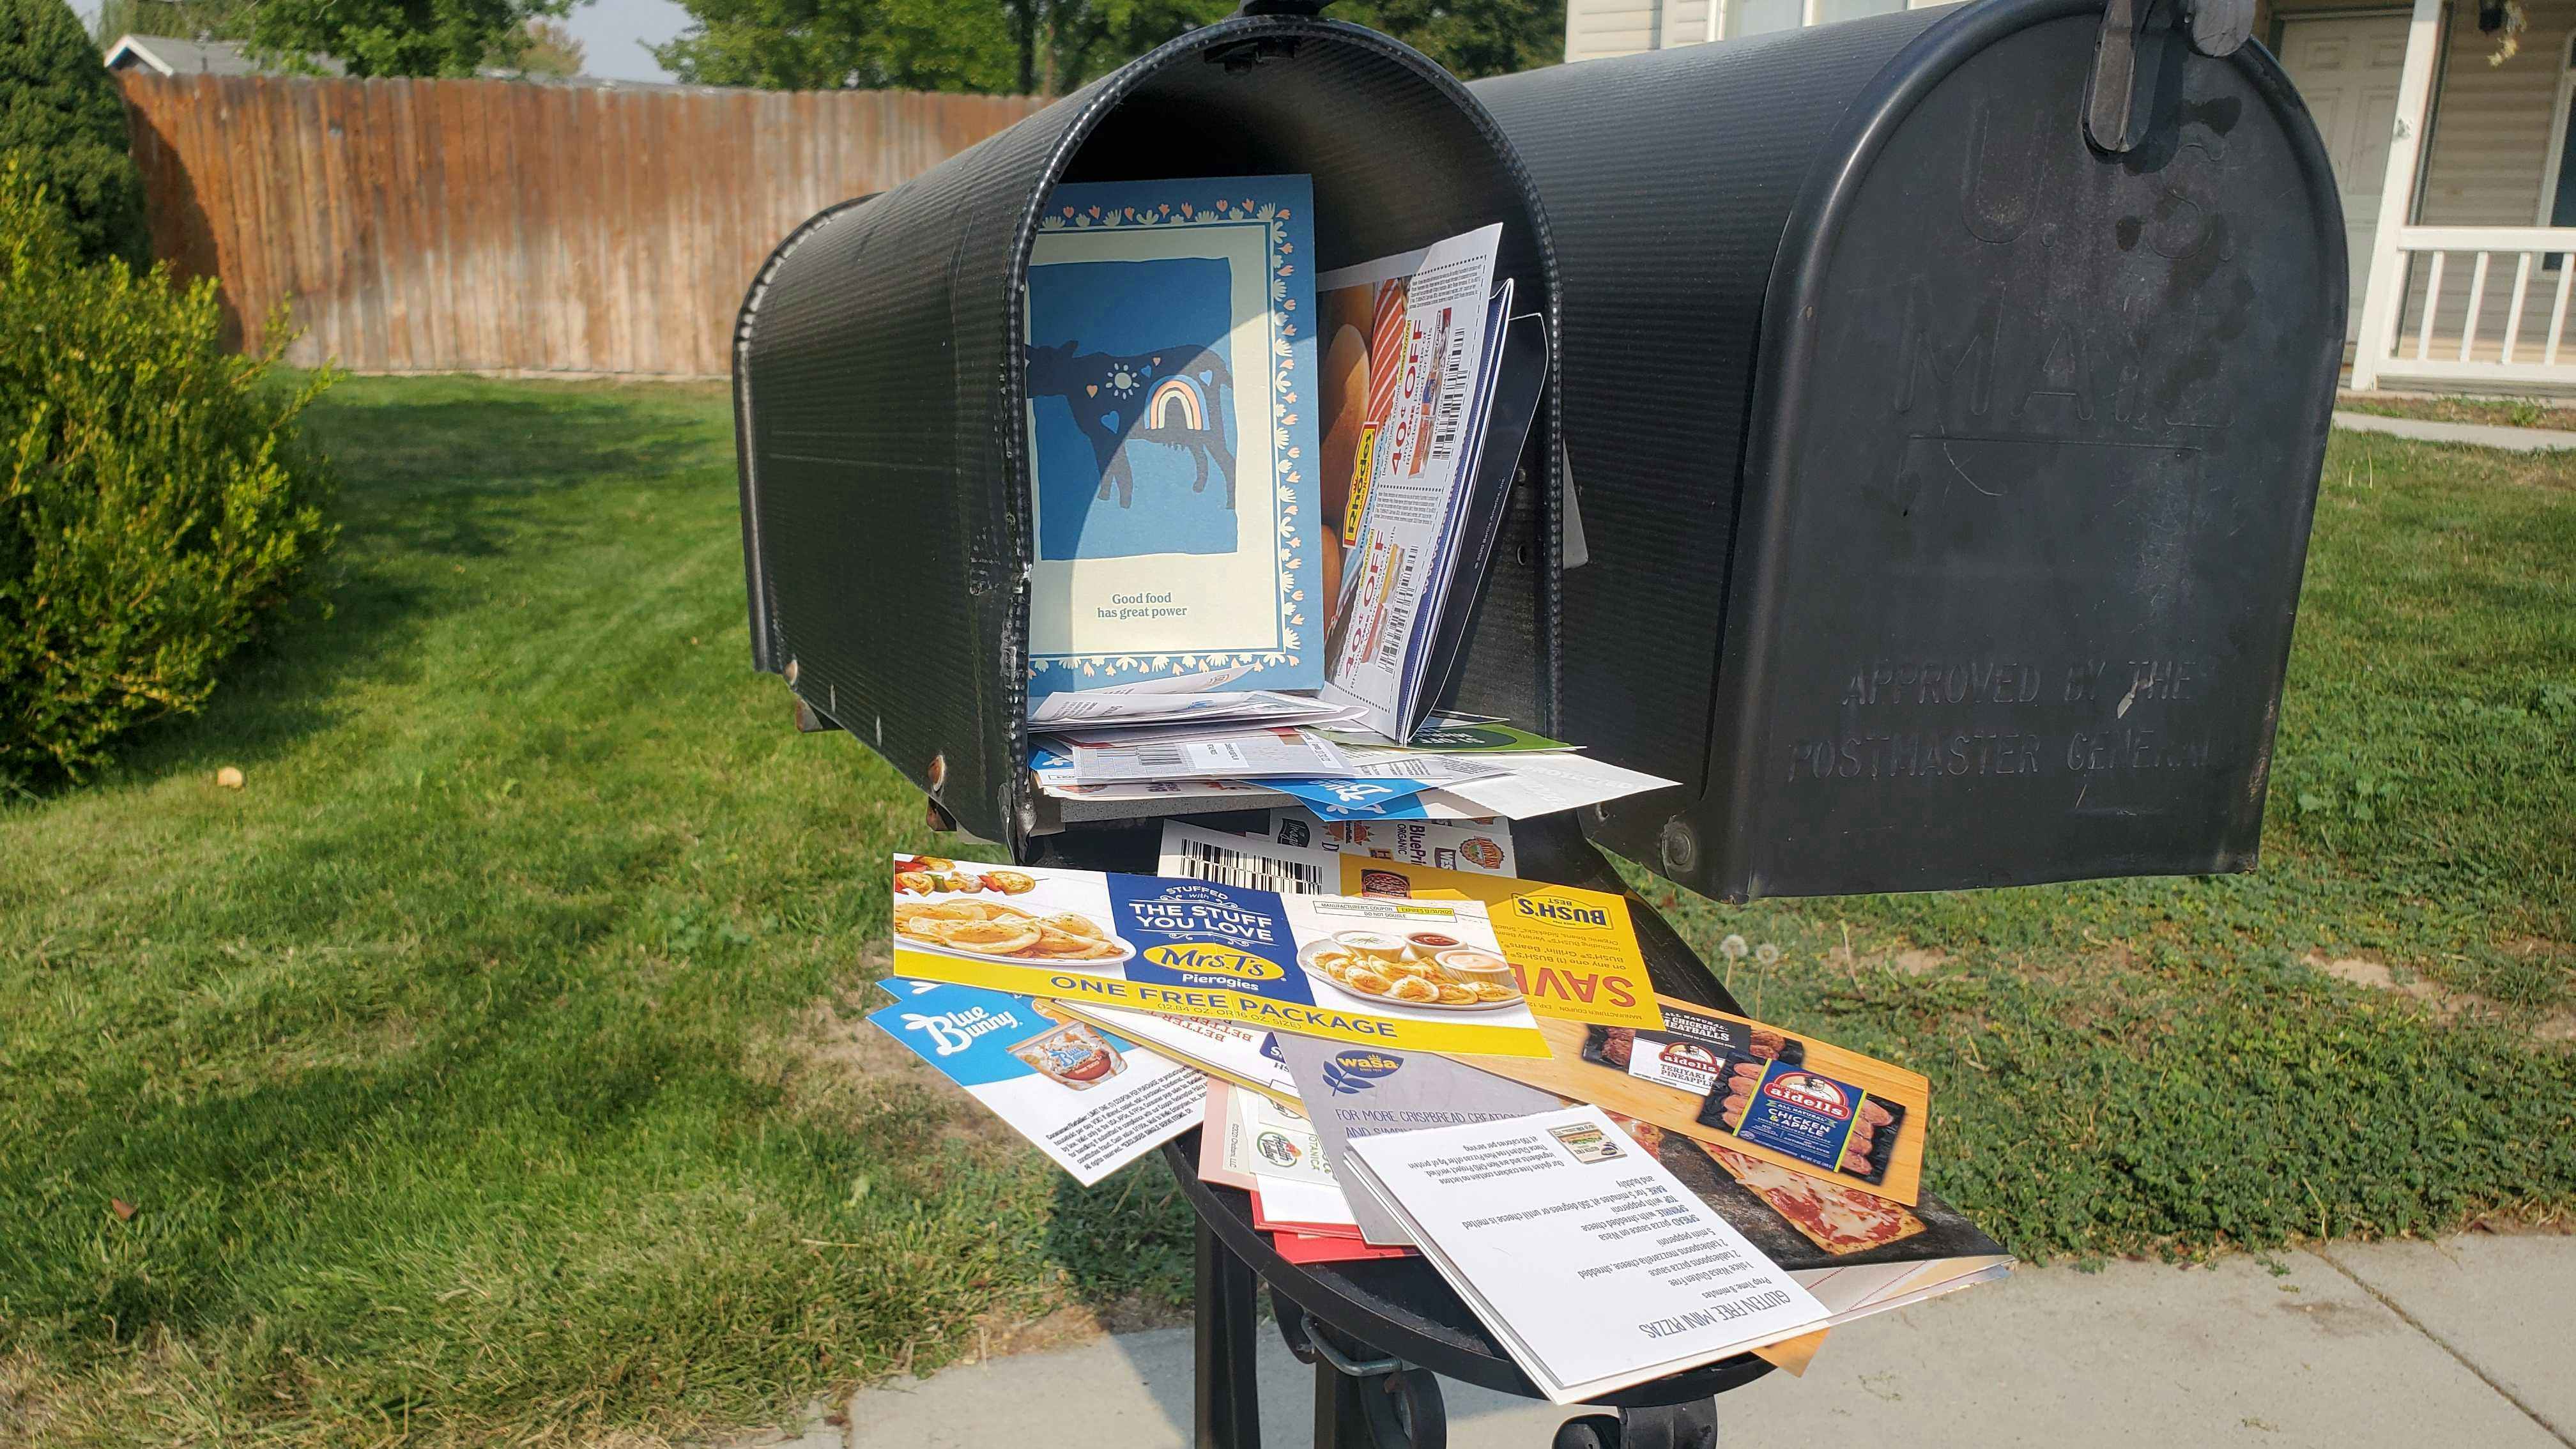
pixel 2472 304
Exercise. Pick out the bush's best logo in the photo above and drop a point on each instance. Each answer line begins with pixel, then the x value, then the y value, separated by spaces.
pixel 1352 1072
pixel 1815 1093
pixel 1559 911
pixel 1213 959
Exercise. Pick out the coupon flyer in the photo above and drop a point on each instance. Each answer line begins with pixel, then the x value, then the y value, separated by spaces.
pixel 1573 952
pixel 1090 1100
pixel 1420 974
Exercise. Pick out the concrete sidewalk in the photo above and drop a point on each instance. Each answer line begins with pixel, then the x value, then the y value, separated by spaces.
pixel 2478 435
pixel 2471 1340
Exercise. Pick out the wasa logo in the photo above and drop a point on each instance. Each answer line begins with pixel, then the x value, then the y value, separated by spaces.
pixel 1214 960
pixel 1559 911
pixel 1355 1071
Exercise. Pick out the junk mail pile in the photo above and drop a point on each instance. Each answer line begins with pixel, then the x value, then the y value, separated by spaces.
pixel 1265 503
pixel 1397 1047
pixel 1264 511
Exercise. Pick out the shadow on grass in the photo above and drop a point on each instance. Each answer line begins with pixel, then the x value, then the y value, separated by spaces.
pixel 498 1072
pixel 1125 1245
pixel 431 471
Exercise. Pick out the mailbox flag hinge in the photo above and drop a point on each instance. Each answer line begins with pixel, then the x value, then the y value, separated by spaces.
pixel 2112 119
pixel 1242 55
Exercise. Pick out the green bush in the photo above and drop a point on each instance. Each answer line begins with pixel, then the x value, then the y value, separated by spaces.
pixel 62 111
pixel 154 499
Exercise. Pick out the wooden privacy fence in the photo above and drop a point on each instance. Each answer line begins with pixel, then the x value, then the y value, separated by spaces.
pixel 449 225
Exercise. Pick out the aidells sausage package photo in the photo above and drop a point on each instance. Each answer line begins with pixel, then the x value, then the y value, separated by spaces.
pixel 1759 1090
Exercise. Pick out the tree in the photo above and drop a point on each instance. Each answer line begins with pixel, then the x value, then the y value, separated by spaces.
pixel 1473 38
pixel 187 19
pixel 394 37
pixel 60 112
pixel 157 501
pixel 931 45
pixel 1045 47
pixel 552 51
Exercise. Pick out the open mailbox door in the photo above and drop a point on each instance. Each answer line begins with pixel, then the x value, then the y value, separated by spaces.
pixel 1945 437
pixel 881 386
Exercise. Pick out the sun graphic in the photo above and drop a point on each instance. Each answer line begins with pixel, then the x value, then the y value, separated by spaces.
pixel 1123 381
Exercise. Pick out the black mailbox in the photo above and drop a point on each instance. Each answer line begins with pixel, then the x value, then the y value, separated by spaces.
pixel 880 385
pixel 1944 396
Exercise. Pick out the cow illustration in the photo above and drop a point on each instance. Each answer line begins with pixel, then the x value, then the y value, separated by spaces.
pixel 1172 397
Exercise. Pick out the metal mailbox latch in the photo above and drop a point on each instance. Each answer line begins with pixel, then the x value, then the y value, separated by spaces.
pixel 2112 117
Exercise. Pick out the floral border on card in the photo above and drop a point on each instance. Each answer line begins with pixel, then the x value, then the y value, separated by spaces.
pixel 1089 671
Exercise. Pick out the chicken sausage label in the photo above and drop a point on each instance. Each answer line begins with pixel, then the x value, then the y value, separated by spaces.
pixel 1806 1114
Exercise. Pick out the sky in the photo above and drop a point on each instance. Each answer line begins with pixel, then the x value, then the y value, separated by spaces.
pixel 612 33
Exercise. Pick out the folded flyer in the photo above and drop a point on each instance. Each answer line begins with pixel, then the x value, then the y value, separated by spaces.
pixel 1544 783
pixel 1593 1265
pixel 1218 753
pixel 1756 1089
pixel 1243 1055
pixel 1424 974
pixel 1483 847
pixel 1573 952
pixel 1365 1091
pixel 1089 1100
pixel 1137 708
pixel 1421 460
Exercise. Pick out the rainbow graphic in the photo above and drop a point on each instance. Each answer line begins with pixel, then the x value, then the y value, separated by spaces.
pixel 1176 393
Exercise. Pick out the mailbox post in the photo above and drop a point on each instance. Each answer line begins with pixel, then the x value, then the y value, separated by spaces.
pixel 1944 394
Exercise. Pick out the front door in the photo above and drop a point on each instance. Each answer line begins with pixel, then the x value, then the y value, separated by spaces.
pixel 2346 69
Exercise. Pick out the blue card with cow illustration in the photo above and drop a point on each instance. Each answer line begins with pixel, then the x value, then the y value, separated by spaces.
pixel 1172 446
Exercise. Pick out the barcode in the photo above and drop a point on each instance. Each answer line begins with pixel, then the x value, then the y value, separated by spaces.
pixel 1453 396
pixel 1202 861
pixel 1161 757
pixel 1399 610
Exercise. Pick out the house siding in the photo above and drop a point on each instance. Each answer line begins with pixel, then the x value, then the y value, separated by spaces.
pixel 2490 141
pixel 2486 164
pixel 1595 31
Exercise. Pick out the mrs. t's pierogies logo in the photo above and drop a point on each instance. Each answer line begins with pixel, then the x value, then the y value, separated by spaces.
pixel 1209 958
pixel 1352 1072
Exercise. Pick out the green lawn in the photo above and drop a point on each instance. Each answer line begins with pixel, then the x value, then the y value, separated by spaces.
pixel 484 1070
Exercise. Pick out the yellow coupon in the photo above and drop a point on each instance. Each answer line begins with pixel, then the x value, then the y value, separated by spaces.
pixel 1574 950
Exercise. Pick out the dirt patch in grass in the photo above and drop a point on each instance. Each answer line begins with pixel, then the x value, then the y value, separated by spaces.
pixel 24 1381
pixel 1901 958
pixel 1075 1323
pixel 2446 1004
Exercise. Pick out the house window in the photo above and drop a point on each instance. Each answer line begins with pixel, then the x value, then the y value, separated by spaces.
pixel 1760 17
pixel 1829 12
pixel 2558 202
